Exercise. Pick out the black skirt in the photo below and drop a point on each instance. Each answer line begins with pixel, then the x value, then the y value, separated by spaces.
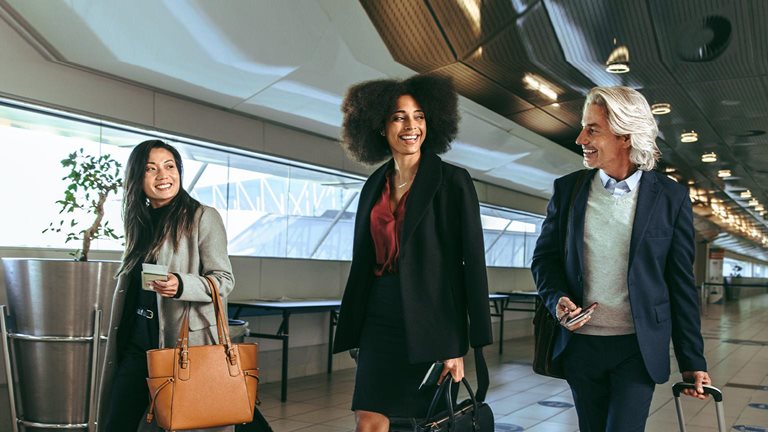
pixel 386 381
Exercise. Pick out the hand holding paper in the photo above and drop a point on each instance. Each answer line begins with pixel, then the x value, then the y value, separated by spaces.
pixel 152 272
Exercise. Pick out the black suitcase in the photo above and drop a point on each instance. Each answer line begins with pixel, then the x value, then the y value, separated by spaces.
pixel 713 391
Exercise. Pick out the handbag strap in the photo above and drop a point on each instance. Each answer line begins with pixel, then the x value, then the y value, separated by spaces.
pixel 483 381
pixel 481 370
pixel 445 391
pixel 221 327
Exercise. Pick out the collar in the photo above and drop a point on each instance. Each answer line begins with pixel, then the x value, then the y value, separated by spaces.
pixel 631 181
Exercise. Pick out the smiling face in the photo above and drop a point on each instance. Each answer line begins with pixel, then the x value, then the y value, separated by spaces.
pixel 600 147
pixel 406 127
pixel 161 177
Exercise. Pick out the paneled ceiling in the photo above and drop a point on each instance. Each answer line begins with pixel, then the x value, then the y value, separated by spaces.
pixel 290 62
pixel 708 59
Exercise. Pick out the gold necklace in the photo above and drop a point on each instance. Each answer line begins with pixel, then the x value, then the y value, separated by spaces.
pixel 400 186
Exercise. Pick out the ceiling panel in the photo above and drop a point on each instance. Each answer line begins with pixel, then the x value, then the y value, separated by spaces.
pixel 730 99
pixel 413 37
pixel 709 40
pixel 545 53
pixel 482 90
pixel 467 24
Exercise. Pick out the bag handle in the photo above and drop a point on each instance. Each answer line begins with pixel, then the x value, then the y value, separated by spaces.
pixel 445 390
pixel 221 327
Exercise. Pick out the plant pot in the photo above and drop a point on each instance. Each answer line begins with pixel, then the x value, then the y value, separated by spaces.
pixel 51 321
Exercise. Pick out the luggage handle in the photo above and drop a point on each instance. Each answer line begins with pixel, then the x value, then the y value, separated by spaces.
pixel 716 393
pixel 708 389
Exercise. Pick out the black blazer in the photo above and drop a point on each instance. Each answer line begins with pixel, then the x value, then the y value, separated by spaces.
pixel 441 265
pixel 662 292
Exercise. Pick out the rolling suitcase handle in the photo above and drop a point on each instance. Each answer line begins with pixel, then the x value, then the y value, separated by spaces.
pixel 716 394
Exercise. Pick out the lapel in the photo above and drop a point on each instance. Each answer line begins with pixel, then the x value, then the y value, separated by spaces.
pixel 647 200
pixel 425 185
pixel 577 213
pixel 368 198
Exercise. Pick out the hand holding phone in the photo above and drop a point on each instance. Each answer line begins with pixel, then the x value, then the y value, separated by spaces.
pixel 586 312
pixel 433 375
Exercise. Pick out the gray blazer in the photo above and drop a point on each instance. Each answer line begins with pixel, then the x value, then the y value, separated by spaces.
pixel 203 253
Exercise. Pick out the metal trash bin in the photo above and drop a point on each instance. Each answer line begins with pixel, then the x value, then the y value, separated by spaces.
pixel 238 330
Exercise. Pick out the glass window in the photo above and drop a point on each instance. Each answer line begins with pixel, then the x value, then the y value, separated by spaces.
pixel 271 207
pixel 510 236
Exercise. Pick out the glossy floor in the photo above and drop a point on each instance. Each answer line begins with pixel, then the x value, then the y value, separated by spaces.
pixel 736 344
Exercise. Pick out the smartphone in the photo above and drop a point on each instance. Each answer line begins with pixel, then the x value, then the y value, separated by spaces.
pixel 587 311
pixel 433 375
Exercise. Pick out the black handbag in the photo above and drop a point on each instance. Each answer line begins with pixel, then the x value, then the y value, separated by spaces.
pixel 468 416
pixel 471 415
pixel 544 335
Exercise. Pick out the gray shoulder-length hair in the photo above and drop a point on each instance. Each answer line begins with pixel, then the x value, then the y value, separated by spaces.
pixel 629 114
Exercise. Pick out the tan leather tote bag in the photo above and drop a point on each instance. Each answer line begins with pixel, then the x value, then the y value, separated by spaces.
pixel 197 387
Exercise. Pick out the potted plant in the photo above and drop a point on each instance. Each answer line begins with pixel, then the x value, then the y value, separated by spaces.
pixel 59 308
pixel 91 180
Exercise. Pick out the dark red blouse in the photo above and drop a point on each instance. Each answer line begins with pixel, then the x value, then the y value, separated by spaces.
pixel 386 227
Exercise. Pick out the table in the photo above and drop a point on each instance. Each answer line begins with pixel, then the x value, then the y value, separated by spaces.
pixel 238 308
pixel 501 302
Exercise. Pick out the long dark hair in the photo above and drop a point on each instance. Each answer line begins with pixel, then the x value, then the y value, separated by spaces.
pixel 142 241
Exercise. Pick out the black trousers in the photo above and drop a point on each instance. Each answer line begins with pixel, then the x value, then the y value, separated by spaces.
pixel 610 385
pixel 129 398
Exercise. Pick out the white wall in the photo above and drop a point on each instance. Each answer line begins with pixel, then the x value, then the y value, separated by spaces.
pixel 27 76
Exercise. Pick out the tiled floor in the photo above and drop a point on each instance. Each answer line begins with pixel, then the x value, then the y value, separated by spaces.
pixel 736 344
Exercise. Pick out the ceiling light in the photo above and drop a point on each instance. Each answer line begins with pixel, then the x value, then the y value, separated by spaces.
pixel 618 60
pixel 753 202
pixel 709 157
pixel 687 137
pixel 661 108
pixel 724 173
pixel 673 178
pixel 759 208
pixel 669 169
pixel 537 84
pixel 746 194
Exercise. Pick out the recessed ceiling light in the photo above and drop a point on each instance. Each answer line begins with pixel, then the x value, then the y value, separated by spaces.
pixel 753 202
pixel 724 173
pixel 688 137
pixel 709 157
pixel 746 194
pixel 759 208
pixel 618 60
pixel 661 108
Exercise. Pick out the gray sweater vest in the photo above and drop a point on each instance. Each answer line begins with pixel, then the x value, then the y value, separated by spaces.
pixel 607 233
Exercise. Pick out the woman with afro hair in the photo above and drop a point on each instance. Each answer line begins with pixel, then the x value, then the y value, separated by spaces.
pixel 417 290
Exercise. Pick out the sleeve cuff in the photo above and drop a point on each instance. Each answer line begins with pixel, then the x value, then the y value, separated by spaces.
pixel 181 286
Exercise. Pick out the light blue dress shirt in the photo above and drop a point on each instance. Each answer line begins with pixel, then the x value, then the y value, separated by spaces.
pixel 623 187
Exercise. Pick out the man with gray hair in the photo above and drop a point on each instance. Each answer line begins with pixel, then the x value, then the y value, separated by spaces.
pixel 620 235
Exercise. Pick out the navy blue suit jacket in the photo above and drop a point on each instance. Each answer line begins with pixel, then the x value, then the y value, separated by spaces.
pixel 662 291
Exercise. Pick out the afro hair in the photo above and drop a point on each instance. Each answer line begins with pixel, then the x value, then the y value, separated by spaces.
pixel 368 104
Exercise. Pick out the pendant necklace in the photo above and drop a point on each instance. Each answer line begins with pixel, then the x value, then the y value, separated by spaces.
pixel 402 185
